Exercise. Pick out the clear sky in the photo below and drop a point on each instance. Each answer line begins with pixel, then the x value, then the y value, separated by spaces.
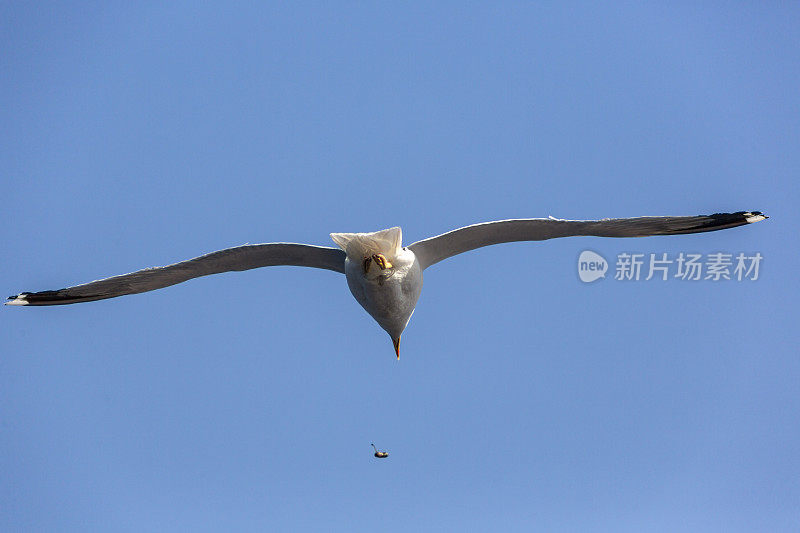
pixel 140 134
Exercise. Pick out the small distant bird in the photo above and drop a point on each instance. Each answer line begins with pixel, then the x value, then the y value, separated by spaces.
pixel 384 276
pixel 379 455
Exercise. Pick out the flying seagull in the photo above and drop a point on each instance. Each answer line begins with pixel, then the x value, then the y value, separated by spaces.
pixel 384 276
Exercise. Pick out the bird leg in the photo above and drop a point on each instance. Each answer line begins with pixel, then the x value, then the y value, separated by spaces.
pixel 381 261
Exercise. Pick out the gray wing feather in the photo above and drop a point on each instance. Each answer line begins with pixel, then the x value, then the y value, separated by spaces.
pixel 231 259
pixel 431 251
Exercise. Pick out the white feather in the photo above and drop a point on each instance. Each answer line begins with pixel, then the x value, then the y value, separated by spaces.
pixel 359 245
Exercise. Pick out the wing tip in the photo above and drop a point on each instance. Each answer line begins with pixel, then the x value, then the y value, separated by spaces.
pixel 731 220
pixel 18 299
pixel 751 217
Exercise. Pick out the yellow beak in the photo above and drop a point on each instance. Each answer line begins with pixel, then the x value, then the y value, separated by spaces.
pixel 396 343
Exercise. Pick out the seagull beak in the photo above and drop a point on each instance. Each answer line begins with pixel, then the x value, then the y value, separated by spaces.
pixel 396 343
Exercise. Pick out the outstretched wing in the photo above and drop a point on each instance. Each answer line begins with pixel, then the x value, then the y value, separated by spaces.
pixel 149 279
pixel 431 251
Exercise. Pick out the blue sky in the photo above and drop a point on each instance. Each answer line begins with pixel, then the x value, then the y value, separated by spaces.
pixel 138 135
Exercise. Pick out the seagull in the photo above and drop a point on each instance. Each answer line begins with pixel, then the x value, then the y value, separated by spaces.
pixel 384 276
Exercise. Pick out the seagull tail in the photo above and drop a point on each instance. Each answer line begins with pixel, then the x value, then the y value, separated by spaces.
pixel 358 245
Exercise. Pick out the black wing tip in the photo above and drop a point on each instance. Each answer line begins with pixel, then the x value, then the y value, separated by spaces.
pixel 18 299
pixel 739 218
pixel 754 216
pixel 713 222
pixel 47 298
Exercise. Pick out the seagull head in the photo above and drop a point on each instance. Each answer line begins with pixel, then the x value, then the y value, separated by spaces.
pixel 384 277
